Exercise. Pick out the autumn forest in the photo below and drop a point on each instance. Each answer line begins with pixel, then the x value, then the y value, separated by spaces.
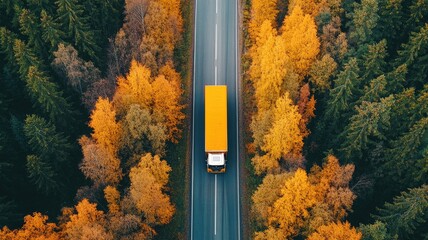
pixel 96 98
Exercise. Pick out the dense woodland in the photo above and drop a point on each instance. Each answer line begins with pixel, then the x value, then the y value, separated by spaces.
pixel 336 101
pixel 90 103
pixel 335 104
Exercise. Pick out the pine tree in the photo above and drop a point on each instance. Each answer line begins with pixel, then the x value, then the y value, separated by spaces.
pixel 405 162
pixel 391 21
pixel 30 27
pixel 71 16
pixel 51 32
pixel 375 231
pixel 364 21
pixel 47 95
pixel 375 90
pixel 374 60
pixel 41 174
pixel 345 91
pixel 414 55
pixel 406 213
pixel 370 121
pixel 45 141
pixel 7 43
pixel 25 58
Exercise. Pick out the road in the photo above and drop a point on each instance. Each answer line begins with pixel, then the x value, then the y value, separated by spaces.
pixel 215 212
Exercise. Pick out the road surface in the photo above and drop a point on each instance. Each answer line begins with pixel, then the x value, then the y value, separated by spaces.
pixel 215 212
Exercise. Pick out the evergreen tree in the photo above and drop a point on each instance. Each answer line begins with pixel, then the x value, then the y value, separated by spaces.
pixel 41 174
pixel 7 41
pixel 51 32
pixel 345 91
pixel 415 55
pixel 374 60
pixel 45 141
pixel 47 95
pixel 406 213
pixel 30 27
pixel 75 25
pixel 25 58
pixel 375 90
pixel 391 21
pixel 364 21
pixel 418 14
pixel 405 162
pixel 375 231
pixel 366 126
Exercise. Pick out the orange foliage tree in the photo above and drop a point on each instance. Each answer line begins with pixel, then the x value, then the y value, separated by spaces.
pixel 288 204
pixel 106 130
pixel 85 223
pixel 338 231
pixel 35 227
pixel 148 180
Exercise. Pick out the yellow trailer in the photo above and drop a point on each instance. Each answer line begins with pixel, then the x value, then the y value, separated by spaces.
pixel 216 128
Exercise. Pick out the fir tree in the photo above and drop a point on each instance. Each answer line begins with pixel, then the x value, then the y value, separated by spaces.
pixel 41 174
pixel 370 122
pixel 415 55
pixel 47 95
pixel 45 141
pixel 51 32
pixel 345 90
pixel 406 213
pixel 76 28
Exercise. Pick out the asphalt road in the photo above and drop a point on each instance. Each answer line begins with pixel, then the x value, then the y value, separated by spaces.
pixel 215 197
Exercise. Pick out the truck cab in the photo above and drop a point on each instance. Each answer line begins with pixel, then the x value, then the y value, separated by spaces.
pixel 216 162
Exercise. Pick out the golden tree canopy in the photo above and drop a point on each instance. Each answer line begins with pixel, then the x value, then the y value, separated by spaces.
pixel 106 131
pixel 302 44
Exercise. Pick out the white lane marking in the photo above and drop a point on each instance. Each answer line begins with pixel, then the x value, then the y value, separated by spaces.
pixel 237 117
pixel 193 124
pixel 215 205
pixel 216 6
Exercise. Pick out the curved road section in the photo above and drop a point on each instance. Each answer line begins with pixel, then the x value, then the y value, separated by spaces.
pixel 215 209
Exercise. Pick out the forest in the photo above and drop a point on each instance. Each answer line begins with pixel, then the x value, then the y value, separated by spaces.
pixel 336 116
pixel 94 122
pixel 92 114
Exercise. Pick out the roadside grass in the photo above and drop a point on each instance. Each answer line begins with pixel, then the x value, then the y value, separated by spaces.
pixel 179 155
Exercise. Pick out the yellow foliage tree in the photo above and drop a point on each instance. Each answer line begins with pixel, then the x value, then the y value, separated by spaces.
pixel 112 197
pixel 146 192
pixel 311 7
pixel 166 107
pixel 157 167
pixel 135 88
pixel 106 131
pixel 266 194
pixel 86 223
pixel 291 210
pixel 284 138
pixel 261 10
pixel 300 35
pixel 35 227
pixel 269 67
pixel 163 25
pixel 337 231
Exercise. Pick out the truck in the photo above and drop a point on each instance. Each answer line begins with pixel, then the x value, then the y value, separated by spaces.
pixel 216 128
